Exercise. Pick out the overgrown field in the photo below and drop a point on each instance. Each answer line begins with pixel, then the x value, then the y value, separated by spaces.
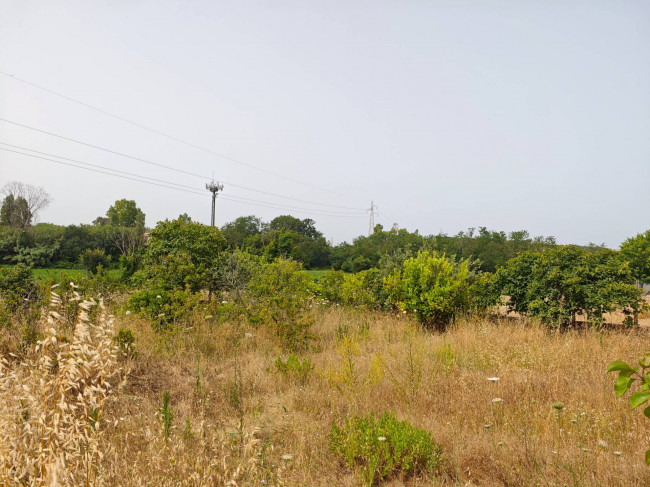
pixel 241 410
pixel 206 366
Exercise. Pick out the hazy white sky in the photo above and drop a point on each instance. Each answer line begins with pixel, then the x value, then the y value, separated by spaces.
pixel 449 114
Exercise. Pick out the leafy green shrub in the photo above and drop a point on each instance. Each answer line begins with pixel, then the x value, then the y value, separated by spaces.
pixel 627 375
pixel 432 286
pixel 330 286
pixel 179 255
pixel 294 368
pixel 278 295
pixel 125 340
pixel 484 293
pixel 163 308
pixel 383 447
pixel 92 259
pixel 100 283
pixel 232 271
pixel 17 287
pixel 365 288
pixel 558 284
pixel 356 264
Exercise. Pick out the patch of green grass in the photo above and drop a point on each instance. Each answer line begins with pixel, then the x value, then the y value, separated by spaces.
pixel 51 273
pixel 318 273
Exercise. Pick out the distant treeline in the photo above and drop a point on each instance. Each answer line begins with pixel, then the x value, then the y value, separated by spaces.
pixel 49 245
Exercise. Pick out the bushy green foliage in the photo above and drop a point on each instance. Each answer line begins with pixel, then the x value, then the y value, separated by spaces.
pixel 124 213
pixel 285 236
pixel 232 271
pixel 365 288
pixel 330 286
pixel 432 286
pixel 627 376
pixel 179 254
pixel 17 287
pixel 294 368
pixel 484 293
pixel 92 259
pixel 558 284
pixel 163 307
pixel 15 212
pixel 490 249
pixel 278 295
pixel 636 251
pixel 125 341
pixel 383 447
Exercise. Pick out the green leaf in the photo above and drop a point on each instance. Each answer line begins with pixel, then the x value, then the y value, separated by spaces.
pixel 639 398
pixel 647 412
pixel 622 385
pixel 647 457
pixel 618 365
pixel 645 361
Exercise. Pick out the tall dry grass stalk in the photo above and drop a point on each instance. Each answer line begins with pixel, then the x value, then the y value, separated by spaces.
pixel 52 401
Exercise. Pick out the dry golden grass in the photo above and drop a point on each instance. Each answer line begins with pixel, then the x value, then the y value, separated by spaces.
pixel 236 421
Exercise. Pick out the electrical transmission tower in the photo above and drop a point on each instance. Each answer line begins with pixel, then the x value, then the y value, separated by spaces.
pixel 214 188
pixel 373 211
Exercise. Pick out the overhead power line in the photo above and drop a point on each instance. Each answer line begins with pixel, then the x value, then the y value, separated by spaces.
pixel 163 134
pixel 171 168
pixel 170 185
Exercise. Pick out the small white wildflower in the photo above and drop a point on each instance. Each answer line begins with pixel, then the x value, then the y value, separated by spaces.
pixel 618 453
pixel 128 313
pixel 497 400
pixel 286 457
pixel 382 438
pixel 602 443
pixel 404 312
pixel 493 379
pixel 207 317
pixel 159 297
pixel 224 302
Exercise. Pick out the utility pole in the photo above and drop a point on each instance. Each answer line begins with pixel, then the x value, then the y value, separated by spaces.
pixel 214 188
pixel 371 224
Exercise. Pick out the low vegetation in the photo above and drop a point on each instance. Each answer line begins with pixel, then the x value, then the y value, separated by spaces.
pixel 204 364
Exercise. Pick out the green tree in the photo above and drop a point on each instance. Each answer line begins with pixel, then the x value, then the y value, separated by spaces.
pixel 636 251
pixel 93 259
pixel 23 203
pixel 559 284
pixel 125 213
pixel 239 231
pixel 15 212
pixel 180 254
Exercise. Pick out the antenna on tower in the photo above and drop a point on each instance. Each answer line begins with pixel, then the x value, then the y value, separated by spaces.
pixel 373 211
pixel 214 188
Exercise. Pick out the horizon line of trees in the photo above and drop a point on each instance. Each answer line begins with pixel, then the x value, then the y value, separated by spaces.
pixel 121 231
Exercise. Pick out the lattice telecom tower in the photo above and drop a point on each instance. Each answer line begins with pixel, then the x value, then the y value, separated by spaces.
pixel 371 225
